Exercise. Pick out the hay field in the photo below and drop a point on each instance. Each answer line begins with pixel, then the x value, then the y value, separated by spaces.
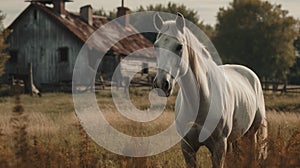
pixel 44 132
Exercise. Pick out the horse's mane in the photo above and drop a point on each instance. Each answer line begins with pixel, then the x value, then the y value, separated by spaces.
pixel 194 43
pixel 199 59
pixel 198 54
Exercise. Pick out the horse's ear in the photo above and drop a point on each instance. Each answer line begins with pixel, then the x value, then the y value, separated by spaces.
pixel 180 22
pixel 157 21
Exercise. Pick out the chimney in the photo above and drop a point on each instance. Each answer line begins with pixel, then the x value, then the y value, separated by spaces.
pixel 86 14
pixel 123 11
pixel 59 6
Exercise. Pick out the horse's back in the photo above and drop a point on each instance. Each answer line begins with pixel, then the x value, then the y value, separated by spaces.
pixel 239 74
pixel 243 72
pixel 247 96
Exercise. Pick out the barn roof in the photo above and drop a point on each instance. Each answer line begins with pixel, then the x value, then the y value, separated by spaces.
pixel 83 30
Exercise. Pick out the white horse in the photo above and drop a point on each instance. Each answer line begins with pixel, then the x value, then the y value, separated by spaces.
pixel 232 92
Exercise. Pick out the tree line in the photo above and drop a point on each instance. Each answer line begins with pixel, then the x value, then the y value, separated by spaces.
pixel 254 33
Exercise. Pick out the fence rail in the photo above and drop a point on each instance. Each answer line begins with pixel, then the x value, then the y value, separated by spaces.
pixel 280 87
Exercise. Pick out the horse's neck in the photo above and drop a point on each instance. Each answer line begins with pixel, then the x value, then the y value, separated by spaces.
pixel 198 66
pixel 187 102
pixel 195 84
pixel 192 103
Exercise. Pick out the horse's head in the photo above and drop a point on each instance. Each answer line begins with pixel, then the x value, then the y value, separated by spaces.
pixel 171 49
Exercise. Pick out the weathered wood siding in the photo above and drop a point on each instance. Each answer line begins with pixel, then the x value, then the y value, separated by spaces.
pixel 128 65
pixel 132 64
pixel 37 40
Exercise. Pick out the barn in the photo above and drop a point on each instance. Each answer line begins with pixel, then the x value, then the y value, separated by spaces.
pixel 47 38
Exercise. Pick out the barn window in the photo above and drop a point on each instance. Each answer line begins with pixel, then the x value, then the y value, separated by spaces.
pixel 35 14
pixel 63 54
pixel 13 56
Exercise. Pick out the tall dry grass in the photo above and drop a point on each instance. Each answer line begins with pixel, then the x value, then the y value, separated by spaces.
pixel 18 123
pixel 54 137
pixel 283 144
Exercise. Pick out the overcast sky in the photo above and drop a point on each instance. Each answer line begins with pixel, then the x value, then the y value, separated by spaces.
pixel 207 9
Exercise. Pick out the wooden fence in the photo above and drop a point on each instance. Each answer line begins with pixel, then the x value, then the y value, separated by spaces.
pixel 280 87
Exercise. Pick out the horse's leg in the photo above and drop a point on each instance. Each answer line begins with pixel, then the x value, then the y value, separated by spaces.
pixel 218 148
pixel 257 135
pixel 189 146
pixel 262 135
pixel 231 146
pixel 250 144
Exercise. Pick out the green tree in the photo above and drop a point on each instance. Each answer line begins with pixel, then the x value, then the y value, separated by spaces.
pixel 297 41
pixel 189 14
pixel 109 14
pixel 294 76
pixel 3 34
pixel 257 34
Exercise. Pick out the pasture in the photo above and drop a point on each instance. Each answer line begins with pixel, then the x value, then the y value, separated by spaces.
pixel 48 134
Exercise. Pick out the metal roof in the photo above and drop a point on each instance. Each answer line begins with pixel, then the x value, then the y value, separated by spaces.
pixel 46 1
pixel 83 31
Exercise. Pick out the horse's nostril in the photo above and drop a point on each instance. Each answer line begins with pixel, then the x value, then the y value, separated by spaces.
pixel 154 83
pixel 166 85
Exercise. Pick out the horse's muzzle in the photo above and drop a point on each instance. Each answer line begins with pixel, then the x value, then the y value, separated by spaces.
pixel 164 85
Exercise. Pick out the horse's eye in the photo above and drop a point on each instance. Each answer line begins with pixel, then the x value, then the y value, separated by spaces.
pixel 179 47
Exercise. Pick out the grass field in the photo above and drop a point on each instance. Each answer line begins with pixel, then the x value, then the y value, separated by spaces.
pixel 46 133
